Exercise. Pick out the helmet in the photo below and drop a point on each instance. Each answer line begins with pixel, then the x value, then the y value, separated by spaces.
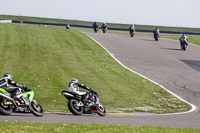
pixel 7 76
pixel 74 80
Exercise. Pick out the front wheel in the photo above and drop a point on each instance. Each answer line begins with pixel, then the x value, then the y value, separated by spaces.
pixel 5 109
pixel 101 111
pixel 74 107
pixel 37 109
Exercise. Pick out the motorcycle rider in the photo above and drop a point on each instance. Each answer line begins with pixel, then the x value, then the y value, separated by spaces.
pixel 74 87
pixel 132 29
pixel 156 32
pixel 104 26
pixel 183 39
pixel 95 26
pixel 6 81
pixel 67 26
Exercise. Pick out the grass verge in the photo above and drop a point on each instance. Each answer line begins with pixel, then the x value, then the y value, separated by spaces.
pixel 23 127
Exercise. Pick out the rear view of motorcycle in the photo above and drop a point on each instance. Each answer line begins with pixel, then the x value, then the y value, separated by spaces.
pixel 183 45
pixel 156 37
pixel 184 42
pixel 104 27
pixel 132 30
pixel 95 27
pixel 77 106
pixel 24 104
pixel 156 34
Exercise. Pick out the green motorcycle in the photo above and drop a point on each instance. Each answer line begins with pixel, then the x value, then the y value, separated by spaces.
pixel 26 104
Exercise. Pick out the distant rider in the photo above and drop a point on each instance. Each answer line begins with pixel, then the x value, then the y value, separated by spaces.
pixel 183 39
pixel 74 87
pixel 6 81
pixel 104 25
pixel 132 29
pixel 96 26
pixel 67 26
pixel 156 32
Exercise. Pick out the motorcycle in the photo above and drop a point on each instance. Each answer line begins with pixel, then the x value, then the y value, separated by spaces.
pixel 77 106
pixel 104 29
pixel 183 45
pixel 96 29
pixel 24 103
pixel 156 36
pixel 132 32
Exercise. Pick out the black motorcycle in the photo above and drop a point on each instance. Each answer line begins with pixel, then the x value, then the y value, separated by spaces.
pixel 183 45
pixel 132 32
pixel 104 29
pixel 156 36
pixel 77 106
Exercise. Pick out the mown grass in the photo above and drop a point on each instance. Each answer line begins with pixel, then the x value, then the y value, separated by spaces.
pixel 46 59
pixel 87 23
pixel 24 127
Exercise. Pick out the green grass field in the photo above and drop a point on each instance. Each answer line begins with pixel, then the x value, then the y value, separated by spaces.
pixel 24 127
pixel 45 59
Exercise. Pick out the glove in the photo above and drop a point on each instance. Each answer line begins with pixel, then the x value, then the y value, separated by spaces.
pixel 25 88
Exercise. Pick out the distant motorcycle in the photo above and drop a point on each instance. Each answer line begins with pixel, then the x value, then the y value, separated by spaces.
pixel 96 29
pixel 156 36
pixel 26 104
pixel 104 29
pixel 183 45
pixel 132 32
pixel 78 107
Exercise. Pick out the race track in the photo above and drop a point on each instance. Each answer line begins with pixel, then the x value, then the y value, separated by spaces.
pixel 162 62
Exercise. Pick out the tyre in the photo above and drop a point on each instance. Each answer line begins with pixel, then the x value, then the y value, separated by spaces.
pixel 36 109
pixel 101 111
pixel 5 109
pixel 74 109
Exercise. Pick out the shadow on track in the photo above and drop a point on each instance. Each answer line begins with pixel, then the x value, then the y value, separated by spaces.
pixel 172 49
pixel 193 64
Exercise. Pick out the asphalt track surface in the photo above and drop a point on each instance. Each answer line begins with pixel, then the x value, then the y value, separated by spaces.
pixel 162 62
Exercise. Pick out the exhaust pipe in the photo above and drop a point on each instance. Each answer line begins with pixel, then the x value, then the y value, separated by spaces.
pixel 9 98
pixel 67 94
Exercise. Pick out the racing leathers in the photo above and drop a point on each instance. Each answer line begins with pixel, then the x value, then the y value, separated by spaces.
pixel 132 29
pixel 183 39
pixel 156 32
pixel 74 87
pixel 5 82
pixel 96 26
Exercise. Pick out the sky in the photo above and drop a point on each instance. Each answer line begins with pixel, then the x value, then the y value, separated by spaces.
pixel 180 13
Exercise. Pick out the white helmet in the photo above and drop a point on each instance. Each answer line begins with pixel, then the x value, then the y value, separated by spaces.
pixel 74 80
pixel 6 75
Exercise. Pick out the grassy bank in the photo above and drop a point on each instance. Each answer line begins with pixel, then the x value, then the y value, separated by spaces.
pixel 46 59
pixel 86 128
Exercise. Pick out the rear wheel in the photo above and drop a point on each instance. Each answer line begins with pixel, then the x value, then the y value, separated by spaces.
pixel 74 108
pixel 37 109
pixel 5 109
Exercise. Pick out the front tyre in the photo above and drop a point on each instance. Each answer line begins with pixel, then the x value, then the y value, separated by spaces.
pixel 101 111
pixel 36 109
pixel 74 108
pixel 5 109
